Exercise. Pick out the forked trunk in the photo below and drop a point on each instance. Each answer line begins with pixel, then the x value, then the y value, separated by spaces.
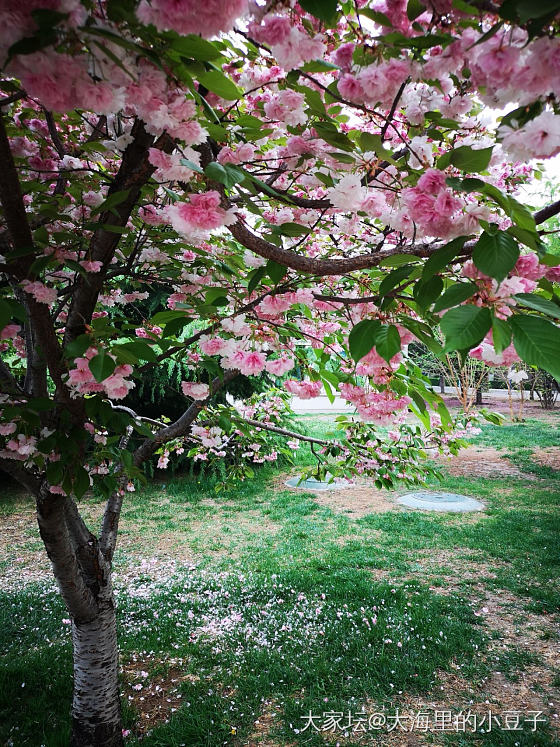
pixel 96 712
pixel 84 578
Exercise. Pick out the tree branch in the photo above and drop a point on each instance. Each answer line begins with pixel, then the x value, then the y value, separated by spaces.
pixel 285 432
pixel 547 212
pixel 134 172
pixel 53 528
pixel 181 426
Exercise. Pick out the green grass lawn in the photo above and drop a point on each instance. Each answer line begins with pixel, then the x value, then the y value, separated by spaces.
pixel 242 611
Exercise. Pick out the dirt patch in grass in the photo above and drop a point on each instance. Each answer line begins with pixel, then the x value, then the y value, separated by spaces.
pixel 478 461
pixel 268 719
pixel 153 697
pixel 358 501
pixel 548 456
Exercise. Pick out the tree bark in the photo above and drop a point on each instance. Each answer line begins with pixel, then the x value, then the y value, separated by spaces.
pixel 84 578
pixel 96 712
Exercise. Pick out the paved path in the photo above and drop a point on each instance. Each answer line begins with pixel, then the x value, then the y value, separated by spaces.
pixel 322 405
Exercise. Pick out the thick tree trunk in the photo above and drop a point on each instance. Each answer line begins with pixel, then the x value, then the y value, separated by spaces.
pixel 84 577
pixel 96 712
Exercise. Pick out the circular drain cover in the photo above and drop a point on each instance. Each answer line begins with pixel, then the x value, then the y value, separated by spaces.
pixel 432 501
pixel 313 484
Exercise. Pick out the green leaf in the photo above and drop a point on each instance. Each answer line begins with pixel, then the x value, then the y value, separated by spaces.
pixel 120 10
pixel 228 175
pixel 470 184
pixel 375 15
pixel 77 347
pixel 538 303
pixel 470 159
pixel 191 165
pixel 174 326
pixel 102 366
pixel 55 472
pixel 275 271
pixel 332 136
pixel 216 296
pixel 525 10
pixel 537 341
pixel 140 349
pixel 318 66
pixel 255 277
pixel 223 87
pixel 290 229
pixel 394 278
pixel 324 10
pixel 426 291
pixel 501 334
pixel 495 254
pixel 195 47
pixel 387 342
pixel 369 142
pixel 414 9
pixel 81 483
pixel 443 257
pixel 362 338
pixel 455 295
pixel 465 326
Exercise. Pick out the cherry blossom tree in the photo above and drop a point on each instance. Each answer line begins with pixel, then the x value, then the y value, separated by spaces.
pixel 313 186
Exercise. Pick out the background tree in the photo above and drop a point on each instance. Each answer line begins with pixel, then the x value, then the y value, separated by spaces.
pixel 320 172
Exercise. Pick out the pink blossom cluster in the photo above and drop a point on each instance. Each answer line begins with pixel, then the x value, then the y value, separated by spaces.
pixel 290 45
pixel 195 390
pixel 286 106
pixel 169 167
pixel 539 138
pixel 486 352
pixel 303 389
pixel 500 296
pixel 274 305
pixel 163 107
pixel 375 84
pixel 432 206
pixel 62 83
pixel 280 366
pixel 21 447
pixel 41 293
pixel 149 334
pixel 247 362
pixel 115 386
pixel 377 407
pixel 206 19
pixel 241 154
pixel 195 219
pixel 17 22
pixel 9 331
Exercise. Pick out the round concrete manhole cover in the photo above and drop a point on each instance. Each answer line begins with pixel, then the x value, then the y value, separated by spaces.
pixel 438 501
pixel 313 484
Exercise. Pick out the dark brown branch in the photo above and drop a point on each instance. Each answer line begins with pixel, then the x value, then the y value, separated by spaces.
pixel 134 172
pixel 12 198
pixel 44 336
pixel 54 532
pixel 86 548
pixel 319 267
pixel 547 212
pixel 24 476
pixel 181 426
